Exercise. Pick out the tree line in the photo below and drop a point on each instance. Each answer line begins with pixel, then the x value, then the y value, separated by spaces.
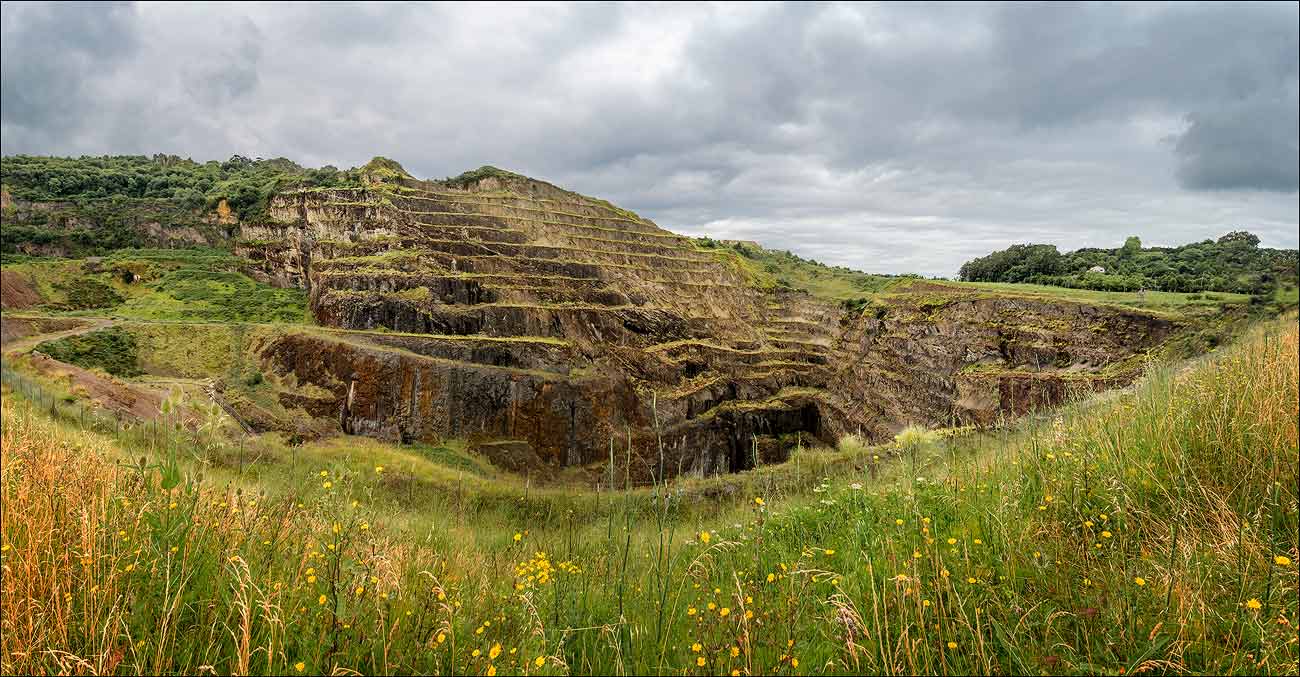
pixel 1233 263
pixel 117 193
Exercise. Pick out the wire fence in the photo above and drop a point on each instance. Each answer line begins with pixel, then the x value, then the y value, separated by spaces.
pixel 155 434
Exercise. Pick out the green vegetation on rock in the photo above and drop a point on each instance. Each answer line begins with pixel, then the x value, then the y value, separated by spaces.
pixel 779 269
pixel 204 295
pixel 90 205
pixel 475 175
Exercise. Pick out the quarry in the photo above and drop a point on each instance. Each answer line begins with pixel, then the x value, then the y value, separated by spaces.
pixel 550 330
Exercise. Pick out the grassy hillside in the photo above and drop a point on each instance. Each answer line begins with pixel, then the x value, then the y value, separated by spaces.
pixel 771 268
pixel 202 285
pixel 1148 530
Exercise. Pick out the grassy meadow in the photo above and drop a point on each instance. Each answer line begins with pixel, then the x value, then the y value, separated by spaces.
pixel 1150 300
pixel 1148 530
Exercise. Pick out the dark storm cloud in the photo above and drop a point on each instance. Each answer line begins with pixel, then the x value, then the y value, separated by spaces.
pixel 889 137
pixel 1251 144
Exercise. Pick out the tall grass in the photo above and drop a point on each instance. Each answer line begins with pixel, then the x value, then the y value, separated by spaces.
pixel 1155 531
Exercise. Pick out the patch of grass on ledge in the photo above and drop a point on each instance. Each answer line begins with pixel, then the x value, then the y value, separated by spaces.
pixel 196 294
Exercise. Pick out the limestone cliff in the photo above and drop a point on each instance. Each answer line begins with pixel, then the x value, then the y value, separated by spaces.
pixel 500 308
pixel 941 357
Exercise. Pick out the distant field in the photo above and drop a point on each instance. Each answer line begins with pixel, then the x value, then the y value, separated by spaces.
pixel 772 268
pixel 1153 300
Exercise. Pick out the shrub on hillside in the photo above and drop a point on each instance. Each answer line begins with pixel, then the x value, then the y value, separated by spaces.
pixel 114 350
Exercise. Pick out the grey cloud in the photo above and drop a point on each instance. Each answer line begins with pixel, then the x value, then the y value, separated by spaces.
pixel 1252 144
pixel 887 137
pixel 217 78
pixel 52 55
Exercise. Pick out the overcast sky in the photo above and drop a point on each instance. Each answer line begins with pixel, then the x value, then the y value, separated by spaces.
pixel 888 138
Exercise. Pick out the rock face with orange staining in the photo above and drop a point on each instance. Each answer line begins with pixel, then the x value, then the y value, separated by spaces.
pixel 549 325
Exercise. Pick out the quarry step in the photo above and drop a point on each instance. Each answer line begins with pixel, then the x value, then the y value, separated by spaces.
pixel 489 218
pixel 478 233
pixel 494 198
pixel 691 350
pixel 665 238
pixel 593 323
pixel 465 247
pixel 784 400
pixel 375 343
pixel 505 265
pixel 465 290
pixel 819 347
pixel 588 265
pixel 527 353
pixel 489 206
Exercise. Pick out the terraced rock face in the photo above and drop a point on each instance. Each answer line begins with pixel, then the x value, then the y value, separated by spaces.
pixel 951 358
pixel 524 316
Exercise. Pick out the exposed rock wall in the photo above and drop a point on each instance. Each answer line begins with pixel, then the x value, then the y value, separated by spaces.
pixel 403 396
pixel 541 324
pixel 957 359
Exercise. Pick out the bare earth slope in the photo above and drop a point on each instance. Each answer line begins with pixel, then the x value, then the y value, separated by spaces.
pixel 532 319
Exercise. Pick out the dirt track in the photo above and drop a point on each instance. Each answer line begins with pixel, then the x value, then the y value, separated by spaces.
pixel 22 334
